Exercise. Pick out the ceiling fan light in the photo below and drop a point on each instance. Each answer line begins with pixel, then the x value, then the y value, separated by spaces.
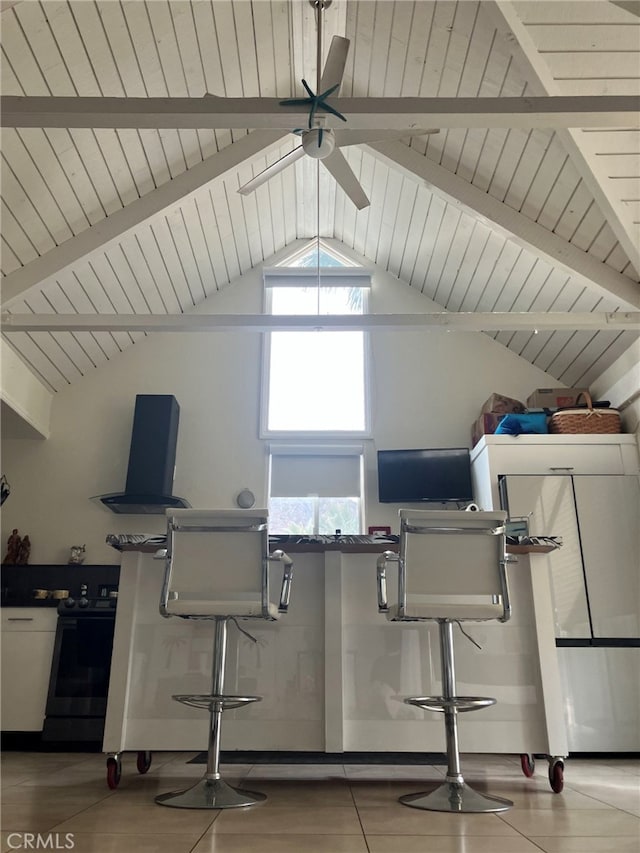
pixel 318 143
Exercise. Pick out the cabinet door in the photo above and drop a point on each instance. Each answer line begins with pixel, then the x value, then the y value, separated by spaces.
pixel 550 505
pixel 26 668
pixel 609 520
pixel 602 698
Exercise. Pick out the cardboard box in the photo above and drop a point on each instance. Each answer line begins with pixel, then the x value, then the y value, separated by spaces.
pixel 553 398
pixel 503 405
pixel 485 425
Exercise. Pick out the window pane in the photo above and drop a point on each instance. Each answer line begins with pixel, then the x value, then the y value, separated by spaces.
pixel 316 381
pixel 311 300
pixel 291 515
pixel 341 514
pixel 295 516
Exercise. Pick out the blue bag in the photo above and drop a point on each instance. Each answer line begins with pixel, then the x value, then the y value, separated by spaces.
pixel 534 422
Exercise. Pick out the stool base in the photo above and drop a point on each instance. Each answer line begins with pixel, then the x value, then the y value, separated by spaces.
pixel 210 794
pixel 452 797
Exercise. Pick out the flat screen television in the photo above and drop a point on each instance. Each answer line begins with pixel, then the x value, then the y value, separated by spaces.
pixel 432 475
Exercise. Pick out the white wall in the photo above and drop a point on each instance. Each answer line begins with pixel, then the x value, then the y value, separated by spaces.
pixel 620 384
pixel 26 403
pixel 427 388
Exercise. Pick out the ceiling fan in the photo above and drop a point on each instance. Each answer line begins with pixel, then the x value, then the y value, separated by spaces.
pixel 316 140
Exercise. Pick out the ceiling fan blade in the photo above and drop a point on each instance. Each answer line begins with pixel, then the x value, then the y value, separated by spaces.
pixel 334 66
pixel 358 137
pixel 337 164
pixel 273 169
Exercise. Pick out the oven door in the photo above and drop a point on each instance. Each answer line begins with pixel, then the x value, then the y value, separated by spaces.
pixel 79 682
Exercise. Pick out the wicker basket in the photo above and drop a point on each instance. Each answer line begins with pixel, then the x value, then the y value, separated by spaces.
pixel 589 420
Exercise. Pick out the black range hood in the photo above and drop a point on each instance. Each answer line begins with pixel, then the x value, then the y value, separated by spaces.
pixel 152 458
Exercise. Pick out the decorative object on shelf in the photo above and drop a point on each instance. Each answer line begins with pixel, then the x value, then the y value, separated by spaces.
pixel 380 530
pixel 13 548
pixel 24 551
pixel 246 499
pixel 5 489
pixel 77 554
pixel 586 419
pixel 528 424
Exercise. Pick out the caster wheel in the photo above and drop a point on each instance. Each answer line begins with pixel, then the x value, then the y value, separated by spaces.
pixel 528 764
pixel 143 761
pixel 113 773
pixel 556 777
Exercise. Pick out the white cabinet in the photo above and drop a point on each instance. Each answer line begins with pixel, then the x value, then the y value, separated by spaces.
pixel 602 698
pixel 585 489
pixel 28 635
pixel 595 576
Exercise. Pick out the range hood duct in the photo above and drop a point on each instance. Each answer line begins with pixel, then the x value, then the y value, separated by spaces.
pixel 152 458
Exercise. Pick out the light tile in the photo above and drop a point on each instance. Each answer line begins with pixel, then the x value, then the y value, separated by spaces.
pixel 112 843
pixel 402 820
pixel 306 793
pixel 74 794
pixel 294 843
pixel 119 817
pixel 296 771
pixel 281 820
pixel 409 772
pixel 321 808
pixel 36 816
pixel 595 844
pixel 581 822
pixel 449 844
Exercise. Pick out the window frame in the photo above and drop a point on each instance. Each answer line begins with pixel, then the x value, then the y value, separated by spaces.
pixel 286 275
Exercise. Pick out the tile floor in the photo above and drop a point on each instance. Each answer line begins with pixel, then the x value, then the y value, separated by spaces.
pixel 315 808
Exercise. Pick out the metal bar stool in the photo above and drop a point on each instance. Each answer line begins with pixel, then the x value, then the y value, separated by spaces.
pixel 217 568
pixel 451 568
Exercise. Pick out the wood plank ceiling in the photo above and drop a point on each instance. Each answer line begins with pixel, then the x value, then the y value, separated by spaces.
pixel 475 218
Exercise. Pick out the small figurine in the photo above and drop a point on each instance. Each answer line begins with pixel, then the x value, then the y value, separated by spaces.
pixel 23 552
pixel 77 554
pixel 5 489
pixel 13 548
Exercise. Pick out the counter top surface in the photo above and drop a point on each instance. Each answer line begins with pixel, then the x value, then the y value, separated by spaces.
pixel 314 547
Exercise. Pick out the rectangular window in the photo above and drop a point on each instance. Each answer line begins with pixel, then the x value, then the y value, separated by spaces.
pixel 314 382
pixel 315 490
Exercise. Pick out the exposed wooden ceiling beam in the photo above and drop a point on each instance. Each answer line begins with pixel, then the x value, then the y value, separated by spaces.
pixel 512 224
pixel 536 70
pixel 462 321
pixel 632 6
pixel 108 231
pixel 362 113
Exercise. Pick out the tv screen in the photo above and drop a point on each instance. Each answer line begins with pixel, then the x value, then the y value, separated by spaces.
pixel 437 475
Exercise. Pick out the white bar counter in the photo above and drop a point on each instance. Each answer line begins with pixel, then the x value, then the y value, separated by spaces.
pixel 333 671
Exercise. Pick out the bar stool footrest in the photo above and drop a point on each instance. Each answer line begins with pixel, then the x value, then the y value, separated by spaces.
pixel 212 702
pixel 441 704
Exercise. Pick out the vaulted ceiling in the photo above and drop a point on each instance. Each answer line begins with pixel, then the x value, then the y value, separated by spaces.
pixel 121 208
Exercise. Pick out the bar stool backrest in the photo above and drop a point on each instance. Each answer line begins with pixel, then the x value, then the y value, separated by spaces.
pixel 216 562
pixel 452 565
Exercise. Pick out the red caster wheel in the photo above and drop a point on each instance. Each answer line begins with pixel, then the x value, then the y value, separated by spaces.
pixel 143 761
pixel 528 764
pixel 113 772
pixel 556 777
